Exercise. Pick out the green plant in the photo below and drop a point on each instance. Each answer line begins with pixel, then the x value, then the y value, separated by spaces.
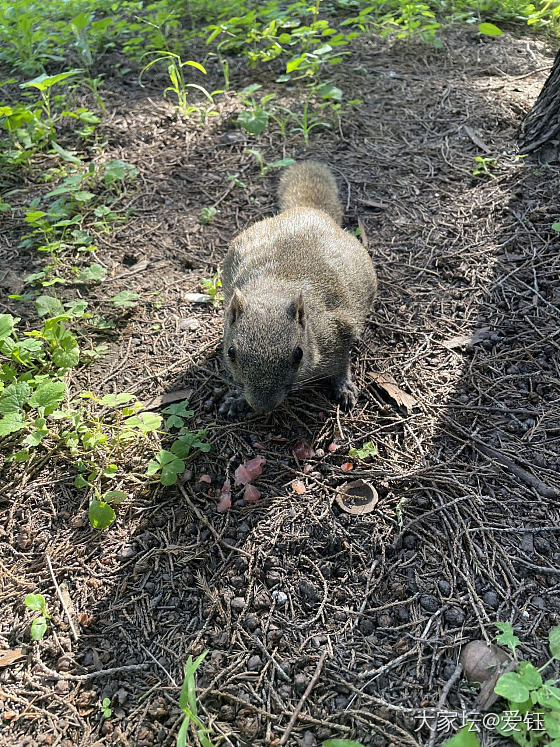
pixel 178 85
pixel 484 166
pixel 36 602
pixel 369 449
pixel 212 288
pixel 126 299
pixel 106 711
pixel 266 167
pixel 206 215
pixel 532 716
pixel 341 743
pixel 170 463
pixel 254 118
pixel 188 705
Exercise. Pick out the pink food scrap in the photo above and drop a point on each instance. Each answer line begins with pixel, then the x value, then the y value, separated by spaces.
pixel 303 449
pixel 205 478
pixel 224 504
pixel 298 486
pixel 248 471
pixel 251 494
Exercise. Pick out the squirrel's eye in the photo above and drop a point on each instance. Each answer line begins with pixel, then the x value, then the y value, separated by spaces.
pixel 231 354
pixel 298 355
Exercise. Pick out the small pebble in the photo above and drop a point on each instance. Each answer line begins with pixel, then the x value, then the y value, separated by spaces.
pixel 254 663
pixel 454 616
pixel 490 599
pixel 237 604
pixel 444 586
pixel 429 602
pixel 280 597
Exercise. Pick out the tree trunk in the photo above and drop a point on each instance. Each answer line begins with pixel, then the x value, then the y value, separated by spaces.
pixel 540 130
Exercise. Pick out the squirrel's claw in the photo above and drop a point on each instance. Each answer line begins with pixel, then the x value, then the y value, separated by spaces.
pixel 233 407
pixel 344 392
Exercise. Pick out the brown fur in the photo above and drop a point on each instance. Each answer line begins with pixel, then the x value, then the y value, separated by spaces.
pixel 297 280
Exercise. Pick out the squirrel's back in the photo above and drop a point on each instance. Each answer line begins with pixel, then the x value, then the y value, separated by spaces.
pixel 310 184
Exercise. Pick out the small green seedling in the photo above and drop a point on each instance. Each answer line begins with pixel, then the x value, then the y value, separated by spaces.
pixel 369 449
pixel 106 711
pixel 206 215
pixel 101 512
pixel 484 166
pixel 170 463
pixel 556 227
pixel 341 743
pixel 265 167
pixel 188 705
pixel 126 299
pixel 39 624
pixel 212 286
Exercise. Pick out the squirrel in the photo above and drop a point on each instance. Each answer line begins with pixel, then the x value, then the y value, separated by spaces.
pixel 297 291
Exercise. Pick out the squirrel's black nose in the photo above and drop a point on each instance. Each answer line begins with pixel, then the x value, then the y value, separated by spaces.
pixel 265 401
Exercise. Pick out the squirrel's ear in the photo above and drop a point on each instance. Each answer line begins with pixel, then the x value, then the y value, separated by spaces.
pixel 237 305
pixel 296 309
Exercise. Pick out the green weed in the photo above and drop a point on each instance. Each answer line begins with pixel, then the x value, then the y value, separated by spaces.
pixel 211 287
pixel 36 602
pixel 188 705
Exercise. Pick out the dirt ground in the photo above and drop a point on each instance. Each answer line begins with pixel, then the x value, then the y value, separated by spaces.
pixel 291 591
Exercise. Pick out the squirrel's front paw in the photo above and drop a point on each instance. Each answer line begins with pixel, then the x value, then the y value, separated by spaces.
pixel 234 407
pixel 344 393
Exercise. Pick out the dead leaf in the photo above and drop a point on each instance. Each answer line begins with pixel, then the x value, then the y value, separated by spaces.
pixel 8 657
pixel 476 140
pixel 224 504
pixel 460 341
pixel 168 398
pixel 386 382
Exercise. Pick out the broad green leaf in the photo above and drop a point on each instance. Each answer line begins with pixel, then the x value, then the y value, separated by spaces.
pixel 253 121
pixel 75 308
pixel 295 63
pixel 11 423
pixel 35 438
pixel 14 397
pixel 556 227
pixel 95 272
pixel 65 154
pixel 42 82
pixel 341 743
pixel 170 472
pixel 328 91
pixel 554 642
pixel 114 400
pixel 463 738
pixel 7 323
pixel 48 306
pixel 150 422
pixel 38 628
pixel 552 724
pixel 66 357
pixel 488 29
pixel 35 602
pixel 125 298
pixel 530 675
pixel 511 686
pixel 101 515
pixel 80 482
pixel 114 496
pixel 47 394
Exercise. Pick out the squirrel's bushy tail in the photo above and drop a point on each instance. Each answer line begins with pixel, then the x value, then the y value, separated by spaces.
pixel 310 184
